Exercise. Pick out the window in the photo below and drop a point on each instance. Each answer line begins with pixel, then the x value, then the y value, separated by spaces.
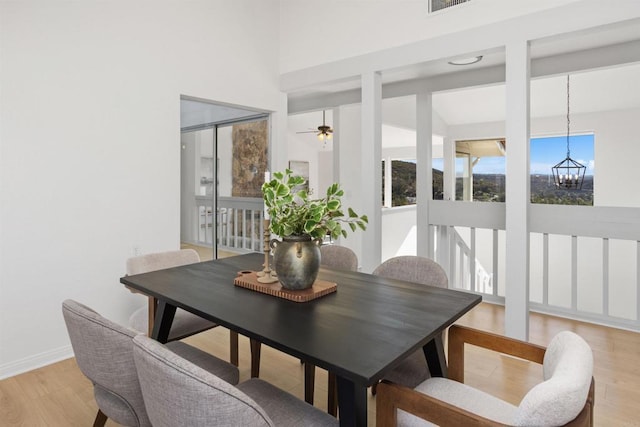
pixel 548 151
pixel 480 170
pixel 403 183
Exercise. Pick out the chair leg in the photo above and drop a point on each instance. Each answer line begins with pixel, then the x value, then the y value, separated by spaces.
pixel 101 419
pixel 255 357
pixel 233 348
pixel 332 398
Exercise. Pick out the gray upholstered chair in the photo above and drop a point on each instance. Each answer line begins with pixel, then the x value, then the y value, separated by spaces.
pixel 338 257
pixel 104 353
pixel 178 393
pixel 564 398
pixel 184 323
pixel 413 370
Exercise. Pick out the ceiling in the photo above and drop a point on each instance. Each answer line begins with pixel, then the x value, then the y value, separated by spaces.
pixel 592 91
pixel 596 89
pixel 599 89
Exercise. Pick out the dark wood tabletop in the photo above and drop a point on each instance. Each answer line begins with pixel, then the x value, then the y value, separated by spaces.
pixel 359 332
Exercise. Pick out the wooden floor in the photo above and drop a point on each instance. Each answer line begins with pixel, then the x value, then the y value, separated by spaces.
pixel 59 395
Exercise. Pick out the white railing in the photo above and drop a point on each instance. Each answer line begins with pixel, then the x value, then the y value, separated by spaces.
pixel 481 281
pixel 584 261
pixel 239 223
pixel 399 238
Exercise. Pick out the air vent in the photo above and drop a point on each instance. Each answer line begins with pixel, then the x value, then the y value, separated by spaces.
pixel 436 5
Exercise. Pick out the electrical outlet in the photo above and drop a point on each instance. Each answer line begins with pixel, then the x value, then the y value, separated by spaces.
pixel 136 250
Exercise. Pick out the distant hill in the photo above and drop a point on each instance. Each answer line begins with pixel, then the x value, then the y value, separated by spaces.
pixel 544 191
pixel 403 183
pixel 486 187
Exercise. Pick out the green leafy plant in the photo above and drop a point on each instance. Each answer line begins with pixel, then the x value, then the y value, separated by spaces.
pixel 295 213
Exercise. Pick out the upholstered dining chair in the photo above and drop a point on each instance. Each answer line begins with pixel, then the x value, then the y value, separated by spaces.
pixel 104 353
pixel 414 369
pixel 184 323
pixel 338 257
pixel 564 398
pixel 179 393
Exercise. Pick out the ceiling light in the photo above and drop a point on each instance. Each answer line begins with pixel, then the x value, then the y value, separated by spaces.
pixel 466 61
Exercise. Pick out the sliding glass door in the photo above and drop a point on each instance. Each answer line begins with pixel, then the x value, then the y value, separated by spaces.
pixel 222 171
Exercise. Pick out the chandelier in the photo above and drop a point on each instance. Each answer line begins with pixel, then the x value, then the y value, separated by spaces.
pixel 568 174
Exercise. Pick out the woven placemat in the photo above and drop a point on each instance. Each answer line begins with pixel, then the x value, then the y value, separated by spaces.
pixel 249 280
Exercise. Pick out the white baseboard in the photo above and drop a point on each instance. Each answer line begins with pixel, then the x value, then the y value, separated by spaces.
pixel 33 362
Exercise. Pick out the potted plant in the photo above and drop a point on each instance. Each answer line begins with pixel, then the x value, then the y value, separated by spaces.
pixel 302 222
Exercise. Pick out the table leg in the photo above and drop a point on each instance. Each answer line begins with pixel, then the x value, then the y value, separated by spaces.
pixel 309 381
pixel 352 401
pixel 255 346
pixel 436 360
pixel 332 397
pixel 163 321
pixel 233 347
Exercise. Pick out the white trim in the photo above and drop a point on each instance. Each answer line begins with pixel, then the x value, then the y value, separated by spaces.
pixel 36 361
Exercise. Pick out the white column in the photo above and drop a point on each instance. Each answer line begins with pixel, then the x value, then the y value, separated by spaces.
pixel 371 169
pixel 449 172
pixel 388 197
pixel 336 145
pixel 443 254
pixel 517 190
pixel 467 180
pixel 424 171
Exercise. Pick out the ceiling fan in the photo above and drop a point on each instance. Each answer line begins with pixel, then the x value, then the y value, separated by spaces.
pixel 324 132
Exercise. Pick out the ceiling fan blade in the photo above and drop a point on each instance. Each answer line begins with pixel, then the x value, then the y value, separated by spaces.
pixel 308 131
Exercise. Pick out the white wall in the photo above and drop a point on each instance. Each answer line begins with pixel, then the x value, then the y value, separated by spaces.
pixel 344 28
pixel 89 152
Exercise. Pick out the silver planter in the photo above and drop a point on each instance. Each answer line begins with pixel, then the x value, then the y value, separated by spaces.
pixel 296 260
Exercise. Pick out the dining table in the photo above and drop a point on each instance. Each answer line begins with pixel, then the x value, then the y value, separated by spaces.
pixel 359 333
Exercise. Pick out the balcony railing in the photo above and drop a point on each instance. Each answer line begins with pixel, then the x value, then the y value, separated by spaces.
pixel 584 260
pixel 239 223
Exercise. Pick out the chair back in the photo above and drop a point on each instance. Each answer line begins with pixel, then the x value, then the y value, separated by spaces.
pixel 413 269
pixel 568 372
pixel 161 260
pixel 338 257
pixel 104 354
pixel 177 392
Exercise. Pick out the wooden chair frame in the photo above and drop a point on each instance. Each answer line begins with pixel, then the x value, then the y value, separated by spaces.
pixel 392 397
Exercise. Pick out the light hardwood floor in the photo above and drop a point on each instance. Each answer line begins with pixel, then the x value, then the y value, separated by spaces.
pixel 59 395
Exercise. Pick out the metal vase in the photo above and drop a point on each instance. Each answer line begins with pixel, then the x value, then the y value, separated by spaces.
pixel 296 260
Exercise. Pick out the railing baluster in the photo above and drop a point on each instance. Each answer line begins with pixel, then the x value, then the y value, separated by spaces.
pixel 574 272
pixel 545 268
pixel 494 275
pixel 243 233
pixel 433 247
pixel 638 280
pixel 472 262
pixel 605 276
pixel 452 256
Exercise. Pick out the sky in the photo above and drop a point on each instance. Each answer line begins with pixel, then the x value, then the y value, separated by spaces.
pixel 545 153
